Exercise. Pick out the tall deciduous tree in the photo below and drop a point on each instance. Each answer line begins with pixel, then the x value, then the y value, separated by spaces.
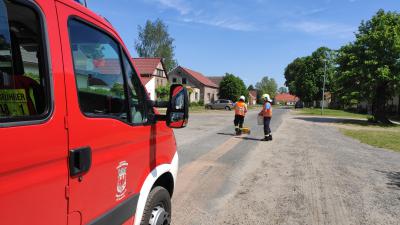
pixel 155 41
pixel 282 90
pixel 232 87
pixel 267 86
pixel 305 75
pixel 370 66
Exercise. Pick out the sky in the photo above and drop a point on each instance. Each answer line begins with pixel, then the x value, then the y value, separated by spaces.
pixel 252 38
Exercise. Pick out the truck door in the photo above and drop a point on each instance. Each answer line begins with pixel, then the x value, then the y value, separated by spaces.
pixel 109 139
pixel 33 172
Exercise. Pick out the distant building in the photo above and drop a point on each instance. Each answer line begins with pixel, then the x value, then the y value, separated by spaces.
pixel 285 99
pixel 152 73
pixel 200 87
pixel 216 80
pixel 252 97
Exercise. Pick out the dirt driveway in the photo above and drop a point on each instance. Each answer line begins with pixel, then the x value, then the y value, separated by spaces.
pixel 309 174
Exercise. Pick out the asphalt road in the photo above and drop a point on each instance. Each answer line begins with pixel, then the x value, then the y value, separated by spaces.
pixel 309 174
pixel 208 130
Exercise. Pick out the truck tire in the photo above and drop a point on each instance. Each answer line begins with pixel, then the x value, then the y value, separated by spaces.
pixel 158 208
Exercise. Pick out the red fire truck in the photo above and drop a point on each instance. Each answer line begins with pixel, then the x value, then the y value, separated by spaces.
pixel 81 143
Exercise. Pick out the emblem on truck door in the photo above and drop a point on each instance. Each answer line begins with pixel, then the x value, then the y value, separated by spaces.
pixel 121 182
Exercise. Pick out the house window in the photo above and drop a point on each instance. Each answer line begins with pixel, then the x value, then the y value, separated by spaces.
pixel 174 80
pixel 209 96
pixel 159 73
pixel 184 81
pixel 196 96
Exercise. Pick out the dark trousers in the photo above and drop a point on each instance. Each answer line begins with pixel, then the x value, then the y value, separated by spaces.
pixel 267 129
pixel 239 120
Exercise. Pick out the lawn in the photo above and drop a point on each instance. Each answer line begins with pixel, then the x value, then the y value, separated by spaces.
pixel 331 113
pixel 381 139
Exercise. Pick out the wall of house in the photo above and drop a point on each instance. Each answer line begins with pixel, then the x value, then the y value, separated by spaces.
pixel 151 89
pixel 210 94
pixel 206 94
pixel 194 95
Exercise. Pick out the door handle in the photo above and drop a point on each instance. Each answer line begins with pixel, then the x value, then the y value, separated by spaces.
pixel 80 161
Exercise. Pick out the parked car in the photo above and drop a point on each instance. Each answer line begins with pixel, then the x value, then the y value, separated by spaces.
pixel 220 104
pixel 80 140
pixel 299 105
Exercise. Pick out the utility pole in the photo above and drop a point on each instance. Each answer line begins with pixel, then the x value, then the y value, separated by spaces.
pixel 323 89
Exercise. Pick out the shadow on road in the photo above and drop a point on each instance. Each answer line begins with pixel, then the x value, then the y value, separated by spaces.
pixel 226 134
pixel 250 138
pixel 394 179
pixel 331 120
pixel 244 138
pixel 360 122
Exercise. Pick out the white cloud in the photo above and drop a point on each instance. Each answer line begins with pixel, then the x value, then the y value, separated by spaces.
pixel 231 24
pixel 200 16
pixel 178 5
pixel 325 29
pixel 312 11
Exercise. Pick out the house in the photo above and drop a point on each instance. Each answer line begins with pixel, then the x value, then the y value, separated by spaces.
pixel 200 87
pixel 216 80
pixel 285 99
pixel 152 73
pixel 252 97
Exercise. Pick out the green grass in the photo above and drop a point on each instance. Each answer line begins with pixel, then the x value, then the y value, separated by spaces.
pixel 332 113
pixel 382 139
pixel 196 109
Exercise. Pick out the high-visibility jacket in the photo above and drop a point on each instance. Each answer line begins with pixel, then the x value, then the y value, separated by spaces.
pixel 240 108
pixel 267 109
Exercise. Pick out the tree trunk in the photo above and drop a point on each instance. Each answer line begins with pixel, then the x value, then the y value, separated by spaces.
pixel 398 105
pixel 379 104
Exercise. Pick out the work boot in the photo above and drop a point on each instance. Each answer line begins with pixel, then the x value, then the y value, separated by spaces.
pixel 270 137
pixel 237 130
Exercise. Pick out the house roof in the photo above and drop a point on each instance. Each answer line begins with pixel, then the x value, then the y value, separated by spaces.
pixel 253 94
pixel 146 66
pixel 285 97
pixel 145 80
pixel 216 80
pixel 199 77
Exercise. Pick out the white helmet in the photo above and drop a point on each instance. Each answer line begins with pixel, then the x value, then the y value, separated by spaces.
pixel 242 98
pixel 266 97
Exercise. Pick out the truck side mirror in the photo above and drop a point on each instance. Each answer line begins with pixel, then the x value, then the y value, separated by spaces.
pixel 178 107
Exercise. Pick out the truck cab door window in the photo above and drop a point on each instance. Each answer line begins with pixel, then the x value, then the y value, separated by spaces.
pixel 136 94
pixel 24 93
pixel 98 72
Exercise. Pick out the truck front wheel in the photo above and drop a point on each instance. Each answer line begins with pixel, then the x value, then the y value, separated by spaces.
pixel 158 208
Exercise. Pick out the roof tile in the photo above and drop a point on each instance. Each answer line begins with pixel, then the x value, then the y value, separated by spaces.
pixel 200 77
pixel 146 66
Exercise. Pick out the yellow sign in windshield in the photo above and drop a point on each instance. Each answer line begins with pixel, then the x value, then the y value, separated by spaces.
pixel 13 102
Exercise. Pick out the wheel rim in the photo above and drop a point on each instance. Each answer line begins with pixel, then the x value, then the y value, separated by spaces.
pixel 159 216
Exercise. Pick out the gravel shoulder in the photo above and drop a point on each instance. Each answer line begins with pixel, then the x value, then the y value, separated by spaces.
pixel 309 174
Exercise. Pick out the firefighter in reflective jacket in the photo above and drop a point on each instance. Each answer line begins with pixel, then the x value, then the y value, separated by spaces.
pixel 240 113
pixel 266 112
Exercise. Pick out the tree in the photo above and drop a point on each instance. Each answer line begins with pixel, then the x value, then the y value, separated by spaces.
pixel 369 68
pixel 232 87
pixel 267 86
pixel 282 90
pixel 163 92
pixel 155 41
pixel 305 75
